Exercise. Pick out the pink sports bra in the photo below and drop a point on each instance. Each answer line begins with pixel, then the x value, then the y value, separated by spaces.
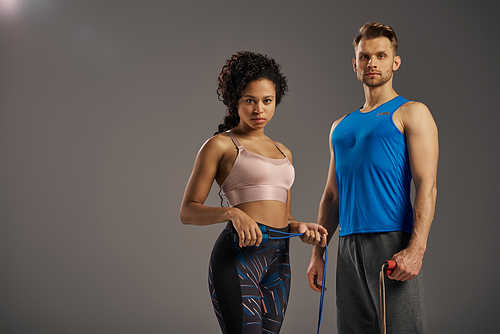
pixel 257 178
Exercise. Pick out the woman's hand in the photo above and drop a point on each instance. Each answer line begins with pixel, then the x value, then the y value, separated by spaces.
pixel 314 234
pixel 249 233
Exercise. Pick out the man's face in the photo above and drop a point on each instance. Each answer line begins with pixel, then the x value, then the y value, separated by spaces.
pixel 375 61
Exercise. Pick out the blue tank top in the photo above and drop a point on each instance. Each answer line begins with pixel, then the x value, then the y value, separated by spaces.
pixel 373 172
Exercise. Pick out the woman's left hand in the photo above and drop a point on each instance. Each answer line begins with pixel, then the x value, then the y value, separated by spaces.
pixel 314 234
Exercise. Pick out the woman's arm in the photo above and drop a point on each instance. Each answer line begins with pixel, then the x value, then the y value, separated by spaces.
pixel 194 212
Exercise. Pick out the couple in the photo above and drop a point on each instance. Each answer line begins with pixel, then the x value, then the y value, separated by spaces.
pixel 374 154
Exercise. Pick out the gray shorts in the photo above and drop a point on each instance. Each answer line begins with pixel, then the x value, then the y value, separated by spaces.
pixel 359 261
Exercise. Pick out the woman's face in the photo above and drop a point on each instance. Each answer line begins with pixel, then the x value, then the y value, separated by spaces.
pixel 257 103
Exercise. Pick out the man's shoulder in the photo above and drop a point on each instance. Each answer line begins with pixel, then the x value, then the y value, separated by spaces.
pixel 413 114
pixel 414 106
pixel 412 110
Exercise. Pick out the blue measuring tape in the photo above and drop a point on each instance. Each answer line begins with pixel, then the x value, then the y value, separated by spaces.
pixel 266 237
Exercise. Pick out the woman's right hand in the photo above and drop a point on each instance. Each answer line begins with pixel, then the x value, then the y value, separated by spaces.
pixel 249 233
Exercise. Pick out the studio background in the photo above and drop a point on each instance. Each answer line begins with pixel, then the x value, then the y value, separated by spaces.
pixel 104 105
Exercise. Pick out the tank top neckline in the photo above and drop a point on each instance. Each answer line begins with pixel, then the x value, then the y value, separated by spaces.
pixel 375 109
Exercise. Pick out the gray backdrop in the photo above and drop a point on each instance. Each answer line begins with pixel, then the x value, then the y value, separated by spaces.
pixel 104 105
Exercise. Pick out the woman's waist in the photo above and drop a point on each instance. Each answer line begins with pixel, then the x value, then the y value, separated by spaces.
pixel 269 213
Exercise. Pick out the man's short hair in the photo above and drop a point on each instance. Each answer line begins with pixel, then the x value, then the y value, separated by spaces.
pixel 372 30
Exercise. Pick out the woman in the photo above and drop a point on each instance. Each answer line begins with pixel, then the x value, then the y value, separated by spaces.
pixel 249 279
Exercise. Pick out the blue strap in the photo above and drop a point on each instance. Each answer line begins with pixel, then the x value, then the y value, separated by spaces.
pixel 323 289
pixel 287 235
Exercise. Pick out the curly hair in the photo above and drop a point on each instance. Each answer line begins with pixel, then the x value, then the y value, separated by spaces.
pixel 242 68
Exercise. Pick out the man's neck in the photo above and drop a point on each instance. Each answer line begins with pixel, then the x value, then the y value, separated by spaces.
pixel 376 96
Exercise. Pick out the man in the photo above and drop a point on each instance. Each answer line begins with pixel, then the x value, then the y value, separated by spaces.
pixel 375 152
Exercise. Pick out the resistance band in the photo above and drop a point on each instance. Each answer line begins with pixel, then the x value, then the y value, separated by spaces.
pixel 285 235
pixel 387 269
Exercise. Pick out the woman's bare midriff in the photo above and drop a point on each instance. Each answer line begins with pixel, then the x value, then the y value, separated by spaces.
pixel 270 213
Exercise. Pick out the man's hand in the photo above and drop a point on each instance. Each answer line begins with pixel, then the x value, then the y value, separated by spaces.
pixel 409 262
pixel 315 273
pixel 314 234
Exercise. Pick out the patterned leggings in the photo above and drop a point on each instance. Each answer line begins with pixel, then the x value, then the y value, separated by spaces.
pixel 249 286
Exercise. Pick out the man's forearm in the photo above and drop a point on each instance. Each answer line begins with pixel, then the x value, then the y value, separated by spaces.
pixel 328 216
pixel 423 215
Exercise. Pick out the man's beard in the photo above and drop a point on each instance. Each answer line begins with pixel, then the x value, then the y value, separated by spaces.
pixel 379 81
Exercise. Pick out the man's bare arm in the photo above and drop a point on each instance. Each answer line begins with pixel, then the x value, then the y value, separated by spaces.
pixel 422 138
pixel 328 216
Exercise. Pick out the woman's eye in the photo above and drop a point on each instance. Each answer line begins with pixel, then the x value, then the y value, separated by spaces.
pixel 249 101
